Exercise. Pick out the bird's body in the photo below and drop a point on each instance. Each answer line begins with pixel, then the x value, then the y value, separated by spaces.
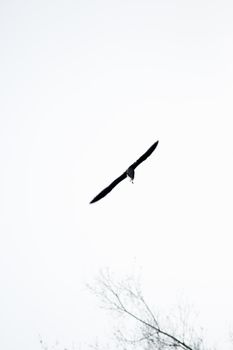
pixel 129 172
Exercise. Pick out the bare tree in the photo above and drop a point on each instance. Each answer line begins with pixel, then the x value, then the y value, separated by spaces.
pixel 55 345
pixel 142 327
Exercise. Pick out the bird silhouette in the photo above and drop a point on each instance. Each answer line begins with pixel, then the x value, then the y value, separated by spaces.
pixel 129 172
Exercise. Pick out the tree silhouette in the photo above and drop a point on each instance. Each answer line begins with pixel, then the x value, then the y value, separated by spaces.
pixel 125 299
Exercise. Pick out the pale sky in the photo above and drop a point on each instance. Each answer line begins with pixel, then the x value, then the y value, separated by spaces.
pixel 86 87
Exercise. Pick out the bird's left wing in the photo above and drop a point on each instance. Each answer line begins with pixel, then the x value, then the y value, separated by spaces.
pixel 109 188
pixel 145 155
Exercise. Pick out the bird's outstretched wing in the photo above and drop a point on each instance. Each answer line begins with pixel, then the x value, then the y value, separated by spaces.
pixel 109 188
pixel 145 155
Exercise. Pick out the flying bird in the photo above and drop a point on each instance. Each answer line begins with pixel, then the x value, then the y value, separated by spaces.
pixel 129 172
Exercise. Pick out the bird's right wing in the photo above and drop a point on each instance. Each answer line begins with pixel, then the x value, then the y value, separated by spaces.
pixel 145 155
pixel 109 188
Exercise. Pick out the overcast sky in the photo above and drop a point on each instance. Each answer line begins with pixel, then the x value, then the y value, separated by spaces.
pixel 86 87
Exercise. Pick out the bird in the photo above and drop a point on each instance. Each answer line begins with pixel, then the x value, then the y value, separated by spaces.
pixel 130 172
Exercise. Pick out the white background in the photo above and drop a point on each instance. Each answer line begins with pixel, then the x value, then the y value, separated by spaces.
pixel 86 87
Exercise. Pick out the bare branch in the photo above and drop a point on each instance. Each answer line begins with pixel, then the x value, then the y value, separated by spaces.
pixel 119 296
